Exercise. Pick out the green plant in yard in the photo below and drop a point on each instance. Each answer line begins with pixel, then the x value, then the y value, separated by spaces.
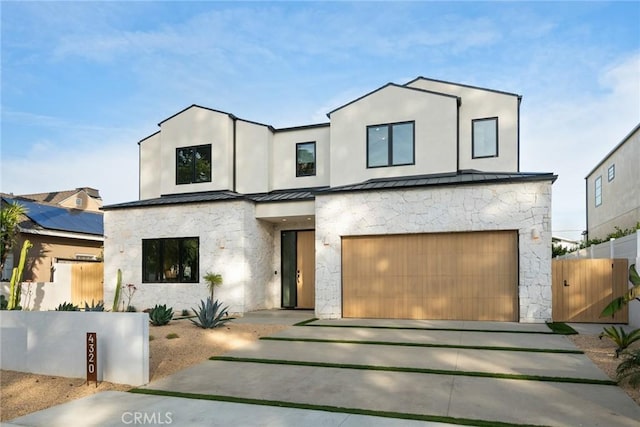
pixel 629 368
pixel 10 216
pixel 172 335
pixel 67 306
pixel 185 312
pixel 116 296
pixel 211 314
pixel 15 287
pixel 151 338
pixel 99 306
pixel 160 315
pixel 213 281
pixel 3 302
pixel 131 309
pixel 632 293
pixel 620 337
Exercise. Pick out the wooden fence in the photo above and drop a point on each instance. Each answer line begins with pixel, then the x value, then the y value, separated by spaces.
pixel 87 282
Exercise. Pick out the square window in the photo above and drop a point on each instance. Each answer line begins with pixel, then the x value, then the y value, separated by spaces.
pixel 485 137
pixel 598 191
pixel 611 172
pixel 193 164
pixel 170 260
pixel 306 159
pixel 390 145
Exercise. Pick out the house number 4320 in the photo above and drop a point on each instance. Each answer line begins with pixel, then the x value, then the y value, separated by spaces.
pixel 92 358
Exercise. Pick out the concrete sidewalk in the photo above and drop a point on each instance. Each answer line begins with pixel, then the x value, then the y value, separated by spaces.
pixel 427 394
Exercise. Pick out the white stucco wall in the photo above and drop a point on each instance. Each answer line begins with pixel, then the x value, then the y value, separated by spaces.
pixel 283 172
pixel 435 130
pixel 232 243
pixel 150 161
pixel 253 157
pixel 479 103
pixel 515 206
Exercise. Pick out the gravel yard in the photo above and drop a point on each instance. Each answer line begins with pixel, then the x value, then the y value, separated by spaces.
pixel 25 393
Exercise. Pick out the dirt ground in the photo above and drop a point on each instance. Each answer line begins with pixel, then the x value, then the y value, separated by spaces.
pixel 23 393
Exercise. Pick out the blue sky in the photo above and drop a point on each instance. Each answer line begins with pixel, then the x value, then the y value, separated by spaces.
pixel 83 82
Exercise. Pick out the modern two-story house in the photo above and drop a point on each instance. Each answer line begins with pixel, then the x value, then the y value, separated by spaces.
pixel 408 203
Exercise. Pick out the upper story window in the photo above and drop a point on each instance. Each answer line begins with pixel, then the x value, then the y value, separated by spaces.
pixel 306 159
pixel 611 172
pixel 598 188
pixel 193 164
pixel 170 260
pixel 390 145
pixel 485 137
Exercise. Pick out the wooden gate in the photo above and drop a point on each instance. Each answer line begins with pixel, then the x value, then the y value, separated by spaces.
pixel 582 288
pixel 87 282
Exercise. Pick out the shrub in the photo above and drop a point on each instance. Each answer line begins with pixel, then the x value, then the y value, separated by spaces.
pixel 160 315
pixel 629 369
pixel 620 337
pixel 211 314
pixel 131 309
pixel 67 306
pixel 3 302
pixel 99 306
pixel 185 312
pixel 172 336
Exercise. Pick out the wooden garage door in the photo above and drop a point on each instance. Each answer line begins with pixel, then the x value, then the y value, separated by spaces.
pixel 461 276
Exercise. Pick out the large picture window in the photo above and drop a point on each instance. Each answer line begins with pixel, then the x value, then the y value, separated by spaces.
pixel 306 159
pixel 598 192
pixel 390 145
pixel 193 164
pixel 170 260
pixel 485 137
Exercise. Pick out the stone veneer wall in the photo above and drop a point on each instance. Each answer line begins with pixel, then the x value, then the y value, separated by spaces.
pixel 509 206
pixel 232 243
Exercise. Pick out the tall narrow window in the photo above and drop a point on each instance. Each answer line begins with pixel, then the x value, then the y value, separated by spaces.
pixel 598 188
pixel 611 172
pixel 306 159
pixel 170 260
pixel 485 137
pixel 193 164
pixel 390 145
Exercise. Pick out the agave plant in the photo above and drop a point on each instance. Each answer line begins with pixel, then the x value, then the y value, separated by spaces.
pixel 160 315
pixel 620 337
pixel 99 306
pixel 211 314
pixel 629 369
pixel 67 306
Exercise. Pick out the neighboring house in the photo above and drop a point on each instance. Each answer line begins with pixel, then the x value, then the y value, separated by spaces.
pixel 568 244
pixel 613 189
pixel 409 203
pixel 58 233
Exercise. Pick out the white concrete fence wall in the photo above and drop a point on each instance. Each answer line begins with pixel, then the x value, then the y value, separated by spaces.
pixel 54 343
pixel 42 296
pixel 624 247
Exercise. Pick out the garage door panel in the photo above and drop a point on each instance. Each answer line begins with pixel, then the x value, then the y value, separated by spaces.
pixel 465 276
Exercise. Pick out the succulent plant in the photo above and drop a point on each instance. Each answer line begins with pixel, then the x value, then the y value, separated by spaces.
pixel 211 314
pixel 160 315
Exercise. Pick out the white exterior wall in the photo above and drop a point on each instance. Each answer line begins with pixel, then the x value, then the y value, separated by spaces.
pixel 232 243
pixel 620 197
pixel 516 206
pixel 478 104
pixel 149 151
pixel 253 152
pixel 435 129
pixel 196 126
pixel 283 173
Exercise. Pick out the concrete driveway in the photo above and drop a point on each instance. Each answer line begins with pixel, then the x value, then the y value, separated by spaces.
pixel 373 372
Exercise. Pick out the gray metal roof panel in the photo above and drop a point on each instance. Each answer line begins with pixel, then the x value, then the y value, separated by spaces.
pixel 174 199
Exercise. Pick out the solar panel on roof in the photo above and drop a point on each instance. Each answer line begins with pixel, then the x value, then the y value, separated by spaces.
pixel 61 219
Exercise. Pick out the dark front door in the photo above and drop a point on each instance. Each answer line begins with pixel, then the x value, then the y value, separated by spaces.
pixel 298 269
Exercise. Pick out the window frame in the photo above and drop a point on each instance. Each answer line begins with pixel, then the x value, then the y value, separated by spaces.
pixel 193 174
pixel 315 161
pixel 598 191
pixel 611 172
pixel 389 127
pixel 473 137
pixel 161 258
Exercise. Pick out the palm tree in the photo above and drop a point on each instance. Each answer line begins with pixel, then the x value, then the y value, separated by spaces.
pixel 10 216
pixel 629 369
pixel 213 280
